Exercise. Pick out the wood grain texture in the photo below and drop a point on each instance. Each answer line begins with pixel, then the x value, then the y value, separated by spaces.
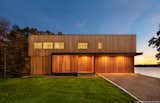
pixel 40 65
pixel 102 64
pixel 111 43
pixel 72 64
pixel 64 64
pixel 114 64
pixel 85 64
pixel 82 64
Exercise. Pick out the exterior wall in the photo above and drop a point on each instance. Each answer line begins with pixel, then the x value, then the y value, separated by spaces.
pixel 40 65
pixel 82 64
pixel 64 64
pixel 42 61
pixel 110 44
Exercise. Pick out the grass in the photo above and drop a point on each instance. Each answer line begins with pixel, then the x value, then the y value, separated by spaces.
pixel 60 90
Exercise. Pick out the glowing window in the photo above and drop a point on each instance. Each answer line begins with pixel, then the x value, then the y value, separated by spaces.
pixel 47 45
pixel 82 45
pixel 99 45
pixel 59 45
pixel 38 45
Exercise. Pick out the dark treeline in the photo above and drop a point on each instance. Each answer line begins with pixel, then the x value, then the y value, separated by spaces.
pixel 14 60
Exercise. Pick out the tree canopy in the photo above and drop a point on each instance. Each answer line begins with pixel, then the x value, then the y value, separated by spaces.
pixel 155 43
pixel 16 47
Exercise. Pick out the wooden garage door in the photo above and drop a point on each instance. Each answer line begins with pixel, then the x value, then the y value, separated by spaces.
pixel 85 64
pixel 114 64
pixel 72 64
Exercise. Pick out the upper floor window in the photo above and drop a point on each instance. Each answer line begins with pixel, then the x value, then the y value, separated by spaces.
pixel 38 45
pixel 59 45
pixel 83 45
pixel 99 45
pixel 47 45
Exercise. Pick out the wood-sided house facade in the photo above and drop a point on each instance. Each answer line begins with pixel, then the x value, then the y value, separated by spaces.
pixel 52 54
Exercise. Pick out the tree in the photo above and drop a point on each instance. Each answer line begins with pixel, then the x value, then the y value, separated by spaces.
pixel 4 31
pixel 4 27
pixel 16 47
pixel 155 43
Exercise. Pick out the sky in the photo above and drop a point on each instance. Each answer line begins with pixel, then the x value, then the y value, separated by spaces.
pixel 140 17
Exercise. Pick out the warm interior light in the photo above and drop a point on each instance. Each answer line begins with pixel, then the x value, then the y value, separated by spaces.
pixel 84 57
pixel 119 57
pixel 38 45
pixel 99 45
pixel 47 45
pixel 59 45
pixel 82 45
pixel 105 57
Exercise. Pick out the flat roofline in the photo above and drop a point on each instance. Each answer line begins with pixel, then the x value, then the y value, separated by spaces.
pixel 96 53
pixel 86 35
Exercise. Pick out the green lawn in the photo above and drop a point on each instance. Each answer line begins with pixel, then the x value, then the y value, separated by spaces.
pixel 60 90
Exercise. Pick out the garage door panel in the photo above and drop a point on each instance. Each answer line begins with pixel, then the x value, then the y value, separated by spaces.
pixel 85 64
pixel 114 64
pixel 72 64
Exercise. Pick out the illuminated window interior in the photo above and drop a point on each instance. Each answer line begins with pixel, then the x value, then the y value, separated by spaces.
pixel 82 45
pixel 59 45
pixel 47 45
pixel 38 45
pixel 99 45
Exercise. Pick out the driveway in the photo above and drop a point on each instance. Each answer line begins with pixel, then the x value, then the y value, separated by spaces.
pixel 143 87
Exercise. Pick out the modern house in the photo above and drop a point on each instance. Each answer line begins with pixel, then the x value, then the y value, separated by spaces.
pixel 52 54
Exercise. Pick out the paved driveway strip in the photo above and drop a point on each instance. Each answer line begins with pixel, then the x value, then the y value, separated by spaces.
pixel 143 87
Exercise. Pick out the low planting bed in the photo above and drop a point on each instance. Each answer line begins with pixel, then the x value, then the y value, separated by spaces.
pixel 60 90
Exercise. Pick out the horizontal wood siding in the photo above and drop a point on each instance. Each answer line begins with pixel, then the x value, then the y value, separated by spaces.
pixel 110 44
pixel 111 64
pixel 40 65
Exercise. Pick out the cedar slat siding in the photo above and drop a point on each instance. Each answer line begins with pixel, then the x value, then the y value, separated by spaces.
pixel 72 64
pixel 111 64
pixel 85 64
pixel 41 59
pixel 111 43
pixel 40 65
pixel 64 64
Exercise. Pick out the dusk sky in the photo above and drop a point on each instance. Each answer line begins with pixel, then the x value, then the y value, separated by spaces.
pixel 140 17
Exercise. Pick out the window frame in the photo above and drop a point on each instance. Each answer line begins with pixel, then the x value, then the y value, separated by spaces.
pixel 35 44
pixel 81 45
pixel 60 45
pixel 100 45
pixel 47 46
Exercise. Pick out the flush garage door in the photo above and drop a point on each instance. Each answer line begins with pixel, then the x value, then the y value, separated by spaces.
pixel 114 64
pixel 85 64
pixel 72 64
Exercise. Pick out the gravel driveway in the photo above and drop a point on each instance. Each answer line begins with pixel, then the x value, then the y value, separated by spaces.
pixel 143 87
